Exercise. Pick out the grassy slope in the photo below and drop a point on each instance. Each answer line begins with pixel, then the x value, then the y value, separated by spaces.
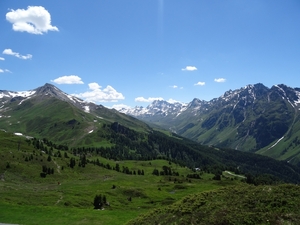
pixel 62 122
pixel 238 205
pixel 26 198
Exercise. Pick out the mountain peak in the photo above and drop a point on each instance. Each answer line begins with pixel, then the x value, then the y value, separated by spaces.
pixel 48 89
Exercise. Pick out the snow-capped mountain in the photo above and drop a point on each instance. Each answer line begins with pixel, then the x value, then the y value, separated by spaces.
pixel 250 118
pixel 246 95
pixel 25 111
pixel 157 107
pixel 48 90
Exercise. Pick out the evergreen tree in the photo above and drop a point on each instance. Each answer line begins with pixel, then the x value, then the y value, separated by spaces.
pixel 117 167
pixel 98 202
pixel 72 162
pixel 66 155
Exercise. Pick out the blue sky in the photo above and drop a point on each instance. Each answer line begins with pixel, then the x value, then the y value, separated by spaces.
pixel 130 52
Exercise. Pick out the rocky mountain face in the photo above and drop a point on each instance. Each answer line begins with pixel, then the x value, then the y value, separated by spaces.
pixel 46 91
pixel 254 118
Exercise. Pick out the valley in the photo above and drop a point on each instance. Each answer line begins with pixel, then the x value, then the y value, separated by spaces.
pixel 66 195
pixel 66 161
pixel 254 118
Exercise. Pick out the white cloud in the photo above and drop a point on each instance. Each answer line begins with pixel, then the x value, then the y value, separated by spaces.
pixel 176 87
pixel 172 101
pixel 96 94
pixel 94 86
pixel 220 80
pixel 5 71
pixel 120 106
pixel 2 58
pixel 8 51
pixel 71 79
pixel 34 20
pixel 142 99
pixel 189 68
pixel 200 83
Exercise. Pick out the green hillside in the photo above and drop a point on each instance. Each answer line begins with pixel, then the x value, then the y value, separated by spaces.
pixel 42 187
pixel 251 119
pixel 65 164
pixel 233 205
pixel 61 121
pixel 43 182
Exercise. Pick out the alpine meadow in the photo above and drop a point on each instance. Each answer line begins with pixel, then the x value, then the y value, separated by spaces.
pixel 149 112
pixel 66 161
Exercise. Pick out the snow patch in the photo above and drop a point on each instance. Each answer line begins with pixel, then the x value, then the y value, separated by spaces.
pixel 3 95
pixel 298 101
pixel 285 95
pixel 71 98
pixel 276 142
pixel 86 108
pixel 22 101
pixel 18 134
pixel 21 93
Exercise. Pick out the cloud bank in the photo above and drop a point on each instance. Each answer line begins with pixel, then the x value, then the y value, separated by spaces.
pixel 71 79
pixel 2 58
pixel 142 99
pixel 34 20
pixel 120 106
pixel 97 94
pixel 8 51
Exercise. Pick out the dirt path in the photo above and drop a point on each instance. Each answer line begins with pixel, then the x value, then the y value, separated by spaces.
pixel 232 174
pixel 58 201
pixel 57 166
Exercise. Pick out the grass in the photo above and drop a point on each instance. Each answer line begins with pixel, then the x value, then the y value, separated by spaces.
pixel 66 196
pixel 62 215
pixel 242 204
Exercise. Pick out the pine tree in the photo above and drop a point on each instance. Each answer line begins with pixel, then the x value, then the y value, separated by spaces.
pixel 98 202
pixel 72 162
pixel 117 167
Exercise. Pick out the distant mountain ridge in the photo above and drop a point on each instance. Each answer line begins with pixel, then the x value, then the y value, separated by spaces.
pixel 253 118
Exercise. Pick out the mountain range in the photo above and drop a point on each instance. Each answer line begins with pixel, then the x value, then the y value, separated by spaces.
pixel 58 152
pixel 254 118
pixel 52 116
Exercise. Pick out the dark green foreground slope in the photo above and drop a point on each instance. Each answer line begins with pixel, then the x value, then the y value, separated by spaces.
pixel 239 205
